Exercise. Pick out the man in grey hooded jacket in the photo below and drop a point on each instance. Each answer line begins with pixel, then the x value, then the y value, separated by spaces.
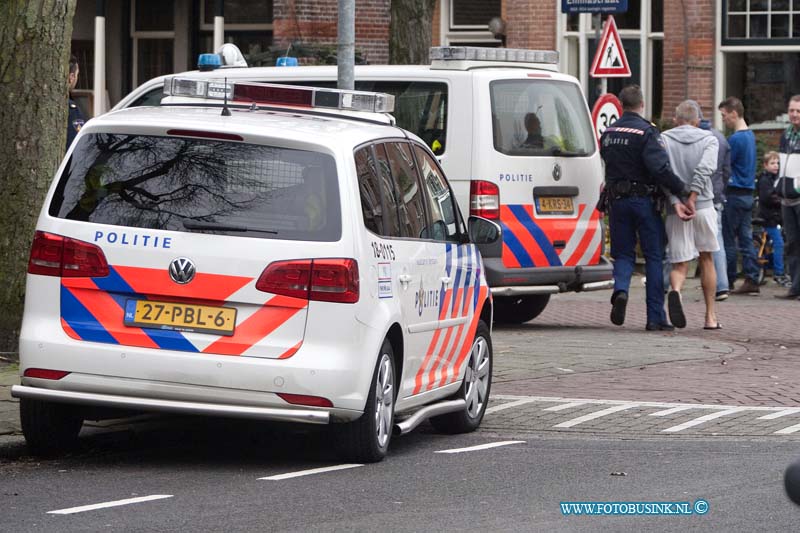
pixel 693 157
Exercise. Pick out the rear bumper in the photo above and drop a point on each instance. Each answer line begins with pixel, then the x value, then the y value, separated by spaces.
pixel 547 280
pixel 306 416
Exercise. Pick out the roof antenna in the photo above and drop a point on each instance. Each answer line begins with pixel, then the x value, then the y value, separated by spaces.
pixel 225 111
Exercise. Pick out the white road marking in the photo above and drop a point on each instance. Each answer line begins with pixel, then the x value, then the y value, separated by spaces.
pixel 509 405
pixel 662 405
pixel 788 431
pixel 310 472
pixel 563 406
pixel 117 503
pixel 702 419
pixel 597 414
pixel 482 446
pixel 780 414
pixel 567 370
pixel 672 410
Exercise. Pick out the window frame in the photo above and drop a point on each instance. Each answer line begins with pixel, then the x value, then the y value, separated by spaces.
pixel 794 11
pixel 458 238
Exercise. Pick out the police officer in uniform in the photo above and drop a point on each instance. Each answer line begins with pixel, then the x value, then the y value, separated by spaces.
pixel 75 120
pixel 637 172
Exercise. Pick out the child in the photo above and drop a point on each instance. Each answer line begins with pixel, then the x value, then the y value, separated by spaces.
pixel 769 209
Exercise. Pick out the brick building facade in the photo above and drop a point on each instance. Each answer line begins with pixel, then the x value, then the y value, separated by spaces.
pixel 706 49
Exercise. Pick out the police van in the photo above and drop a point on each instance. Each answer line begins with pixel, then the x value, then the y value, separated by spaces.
pixel 269 252
pixel 515 139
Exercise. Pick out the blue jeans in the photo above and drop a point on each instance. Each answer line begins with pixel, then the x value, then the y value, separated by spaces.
pixel 629 217
pixel 777 250
pixel 791 224
pixel 720 264
pixel 737 228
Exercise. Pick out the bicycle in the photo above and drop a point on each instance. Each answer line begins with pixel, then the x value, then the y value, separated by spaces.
pixel 764 253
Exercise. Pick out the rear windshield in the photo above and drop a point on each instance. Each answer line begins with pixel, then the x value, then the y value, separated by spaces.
pixel 540 118
pixel 200 185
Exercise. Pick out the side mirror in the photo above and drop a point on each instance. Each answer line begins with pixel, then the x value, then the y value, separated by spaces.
pixel 484 231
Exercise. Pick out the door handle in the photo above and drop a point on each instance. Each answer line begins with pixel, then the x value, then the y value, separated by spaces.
pixel 446 281
pixel 405 279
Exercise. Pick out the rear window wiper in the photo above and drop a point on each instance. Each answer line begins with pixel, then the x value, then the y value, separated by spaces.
pixel 218 226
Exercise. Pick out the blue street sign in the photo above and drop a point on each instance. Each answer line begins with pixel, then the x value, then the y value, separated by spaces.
pixel 594 6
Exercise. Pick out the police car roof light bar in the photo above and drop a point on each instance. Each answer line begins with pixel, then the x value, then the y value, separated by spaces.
pixel 280 95
pixel 479 53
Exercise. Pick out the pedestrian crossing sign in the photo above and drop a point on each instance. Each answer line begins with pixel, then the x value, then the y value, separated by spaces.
pixel 609 59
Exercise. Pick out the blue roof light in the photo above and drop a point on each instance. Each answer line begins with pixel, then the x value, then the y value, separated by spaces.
pixel 286 61
pixel 207 62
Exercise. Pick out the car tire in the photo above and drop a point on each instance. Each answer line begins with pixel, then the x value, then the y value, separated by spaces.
pixel 519 309
pixel 475 388
pixel 49 428
pixel 366 440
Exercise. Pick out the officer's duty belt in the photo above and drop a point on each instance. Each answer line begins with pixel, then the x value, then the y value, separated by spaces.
pixel 625 188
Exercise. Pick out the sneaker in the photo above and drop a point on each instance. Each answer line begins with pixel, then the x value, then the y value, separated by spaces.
pixel 721 295
pixel 675 309
pixel 748 287
pixel 619 301
pixel 783 280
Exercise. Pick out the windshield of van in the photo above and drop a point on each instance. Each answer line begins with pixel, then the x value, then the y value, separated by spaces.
pixel 201 186
pixel 540 118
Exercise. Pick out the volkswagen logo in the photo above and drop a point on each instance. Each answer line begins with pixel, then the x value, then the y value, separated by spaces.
pixel 556 171
pixel 182 270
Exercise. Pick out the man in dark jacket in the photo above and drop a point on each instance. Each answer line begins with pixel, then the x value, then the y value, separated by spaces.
pixel 637 172
pixel 75 119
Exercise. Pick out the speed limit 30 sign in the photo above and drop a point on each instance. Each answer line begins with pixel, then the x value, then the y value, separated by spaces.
pixel 606 111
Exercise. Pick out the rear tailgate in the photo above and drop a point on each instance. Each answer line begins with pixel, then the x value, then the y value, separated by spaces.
pixel 187 225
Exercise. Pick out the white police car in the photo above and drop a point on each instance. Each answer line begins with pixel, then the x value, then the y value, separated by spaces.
pixel 292 256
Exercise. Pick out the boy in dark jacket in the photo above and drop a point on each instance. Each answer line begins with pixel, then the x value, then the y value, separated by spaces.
pixel 769 209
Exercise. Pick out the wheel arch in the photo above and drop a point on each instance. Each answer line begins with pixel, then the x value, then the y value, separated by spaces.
pixel 395 336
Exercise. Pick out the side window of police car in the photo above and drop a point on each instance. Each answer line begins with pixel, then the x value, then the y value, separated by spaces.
pixel 369 187
pixel 443 220
pixel 410 200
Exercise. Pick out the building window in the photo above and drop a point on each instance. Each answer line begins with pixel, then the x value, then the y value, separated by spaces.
pixel 248 25
pixel 466 22
pixel 153 36
pixel 641 29
pixel 767 22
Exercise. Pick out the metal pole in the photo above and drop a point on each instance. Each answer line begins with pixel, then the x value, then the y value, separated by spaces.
pixel 219 24
pixel 602 83
pixel 99 89
pixel 345 50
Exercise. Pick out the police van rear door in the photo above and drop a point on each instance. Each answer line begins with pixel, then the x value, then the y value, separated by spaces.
pixel 537 144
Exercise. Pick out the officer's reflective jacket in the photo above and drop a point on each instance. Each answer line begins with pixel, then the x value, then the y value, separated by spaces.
pixel 633 150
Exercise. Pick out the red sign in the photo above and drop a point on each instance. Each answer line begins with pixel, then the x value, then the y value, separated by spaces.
pixel 605 112
pixel 609 59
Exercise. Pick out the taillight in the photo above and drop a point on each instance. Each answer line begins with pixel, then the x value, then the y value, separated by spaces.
pixel 303 399
pixel 484 199
pixel 323 280
pixel 44 373
pixel 54 255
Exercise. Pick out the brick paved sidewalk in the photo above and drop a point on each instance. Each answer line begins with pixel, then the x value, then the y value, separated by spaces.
pixel 754 360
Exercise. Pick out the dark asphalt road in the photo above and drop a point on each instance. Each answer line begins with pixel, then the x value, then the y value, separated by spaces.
pixel 211 470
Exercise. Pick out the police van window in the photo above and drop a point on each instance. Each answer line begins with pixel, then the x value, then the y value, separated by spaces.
pixel 540 118
pixel 411 203
pixel 419 107
pixel 370 190
pixel 200 185
pixel 443 224
pixel 149 99
pixel 390 197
